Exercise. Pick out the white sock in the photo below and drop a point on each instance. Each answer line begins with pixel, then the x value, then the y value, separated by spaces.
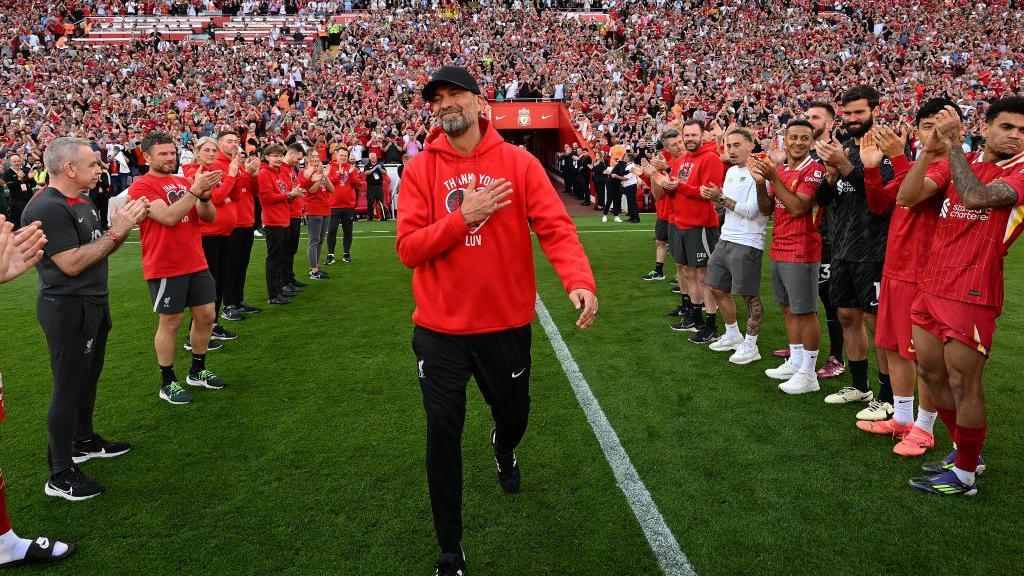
pixel 809 364
pixel 732 330
pixel 12 547
pixel 926 420
pixel 751 339
pixel 964 476
pixel 796 355
pixel 903 409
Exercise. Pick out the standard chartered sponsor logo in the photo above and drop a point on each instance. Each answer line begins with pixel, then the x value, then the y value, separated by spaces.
pixel 961 212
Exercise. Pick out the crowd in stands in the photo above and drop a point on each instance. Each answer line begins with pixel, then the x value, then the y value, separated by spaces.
pixel 731 62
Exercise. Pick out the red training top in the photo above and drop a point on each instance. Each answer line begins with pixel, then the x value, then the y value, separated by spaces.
pixel 168 250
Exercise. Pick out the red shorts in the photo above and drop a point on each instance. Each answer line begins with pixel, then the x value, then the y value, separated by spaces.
pixel 953 320
pixel 893 329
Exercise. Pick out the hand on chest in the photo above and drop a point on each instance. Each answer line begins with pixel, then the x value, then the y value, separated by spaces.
pixel 478 191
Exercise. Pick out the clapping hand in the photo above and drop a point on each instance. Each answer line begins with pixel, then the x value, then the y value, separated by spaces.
pixel 870 154
pixel 19 250
pixel 252 165
pixel 124 220
pixel 711 192
pixel 891 142
pixel 204 183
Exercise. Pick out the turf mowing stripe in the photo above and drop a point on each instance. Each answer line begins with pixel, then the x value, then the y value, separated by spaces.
pixel 671 558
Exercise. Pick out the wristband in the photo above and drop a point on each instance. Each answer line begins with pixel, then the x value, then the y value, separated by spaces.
pixel 118 239
pixel 194 194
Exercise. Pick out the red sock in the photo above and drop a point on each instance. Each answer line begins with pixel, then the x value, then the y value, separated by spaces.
pixel 5 521
pixel 948 418
pixel 968 445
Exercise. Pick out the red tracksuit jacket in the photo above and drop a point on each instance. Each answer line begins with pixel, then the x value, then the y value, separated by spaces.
pixel 482 280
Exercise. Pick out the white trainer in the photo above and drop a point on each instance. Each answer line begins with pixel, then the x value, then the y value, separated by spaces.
pixel 619 220
pixel 604 218
pixel 783 372
pixel 876 411
pixel 847 395
pixel 745 354
pixel 800 383
pixel 727 343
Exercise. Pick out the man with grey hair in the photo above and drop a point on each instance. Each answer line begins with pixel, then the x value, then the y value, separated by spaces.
pixel 74 309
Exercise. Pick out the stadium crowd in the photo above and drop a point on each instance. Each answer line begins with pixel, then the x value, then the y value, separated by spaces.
pixel 728 113
pixel 752 63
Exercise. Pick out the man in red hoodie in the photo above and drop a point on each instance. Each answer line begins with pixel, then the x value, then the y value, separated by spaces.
pixel 345 176
pixel 695 219
pixel 469 202
pixel 240 236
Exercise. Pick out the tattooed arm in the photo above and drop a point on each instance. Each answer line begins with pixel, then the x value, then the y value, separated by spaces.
pixel 976 196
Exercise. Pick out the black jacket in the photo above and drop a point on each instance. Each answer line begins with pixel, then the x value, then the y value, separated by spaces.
pixel 599 176
pixel 19 186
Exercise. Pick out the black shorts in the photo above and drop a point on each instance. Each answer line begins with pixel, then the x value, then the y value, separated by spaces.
pixel 172 295
pixel 825 268
pixel 855 285
pixel 693 246
pixel 661 230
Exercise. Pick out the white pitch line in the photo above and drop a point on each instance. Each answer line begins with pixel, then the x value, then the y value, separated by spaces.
pixel 671 558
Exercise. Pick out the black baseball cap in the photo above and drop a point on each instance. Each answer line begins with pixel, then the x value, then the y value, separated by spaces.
pixel 453 75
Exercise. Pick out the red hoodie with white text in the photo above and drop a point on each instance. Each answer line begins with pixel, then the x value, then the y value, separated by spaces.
pixel 481 280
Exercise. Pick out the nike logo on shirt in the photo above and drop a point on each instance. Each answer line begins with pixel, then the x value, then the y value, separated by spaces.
pixel 518 374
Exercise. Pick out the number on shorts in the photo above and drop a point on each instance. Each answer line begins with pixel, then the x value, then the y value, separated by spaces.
pixel 824 273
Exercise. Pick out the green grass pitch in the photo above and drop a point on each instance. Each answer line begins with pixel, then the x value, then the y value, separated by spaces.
pixel 311 461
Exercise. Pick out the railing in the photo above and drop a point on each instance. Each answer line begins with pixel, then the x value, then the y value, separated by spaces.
pixel 517 99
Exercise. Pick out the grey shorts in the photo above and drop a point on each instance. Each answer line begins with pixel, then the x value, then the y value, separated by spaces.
pixel 172 295
pixel 735 268
pixel 795 285
pixel 661 230
pixel 693 246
